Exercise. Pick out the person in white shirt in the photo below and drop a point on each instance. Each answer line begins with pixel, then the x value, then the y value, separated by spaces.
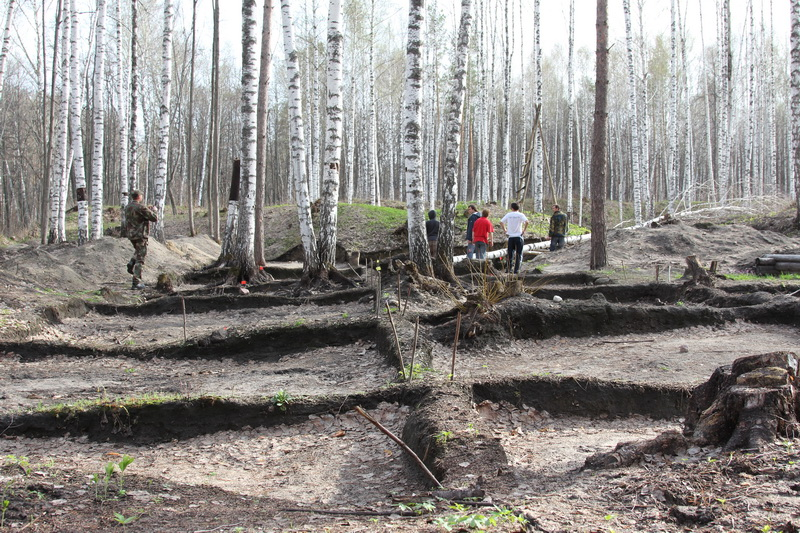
pixel 514 224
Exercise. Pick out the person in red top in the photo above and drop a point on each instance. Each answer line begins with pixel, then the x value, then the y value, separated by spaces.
pixel 482 231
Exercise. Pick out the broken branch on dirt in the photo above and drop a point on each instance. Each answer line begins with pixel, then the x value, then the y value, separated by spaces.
pixel 402 444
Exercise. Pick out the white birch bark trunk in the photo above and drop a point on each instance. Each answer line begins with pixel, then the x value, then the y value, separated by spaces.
pixel 133 154
pixel 6 43
pixel 570 103
pixel 262 117
pixel 99 120
pixel 58 184
pixel 412 143
pixel 333 139
pixel 351 141
pixel 772 175
pixel 122 112
pixel 453 131
pixel 724 98
pixel 794 6
pixel 672 127
pixel 538 188
pixel 505 173
pixel 372 142
pixel 298 157
pixel 164 121
pixel 633 118
pixel 76 105
pixel 712 194
pixel 751 115
pixel 245 241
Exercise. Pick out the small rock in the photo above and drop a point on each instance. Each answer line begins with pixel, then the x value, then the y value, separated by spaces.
pixel 558 298
pixel 683 349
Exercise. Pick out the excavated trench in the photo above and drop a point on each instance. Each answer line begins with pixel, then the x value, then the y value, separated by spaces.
pixel 473 415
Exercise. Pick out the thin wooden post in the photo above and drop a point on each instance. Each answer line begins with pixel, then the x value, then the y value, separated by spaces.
pixel 402 444
pixel 396 341
pixel 413 350
pixel 455 347
pixel 183 308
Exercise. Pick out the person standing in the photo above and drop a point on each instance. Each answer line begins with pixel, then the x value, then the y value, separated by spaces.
pixel 482 234
pixel 514 224
pixel 472 213
pixel 432 230
pixel 137 227
pixel 558 229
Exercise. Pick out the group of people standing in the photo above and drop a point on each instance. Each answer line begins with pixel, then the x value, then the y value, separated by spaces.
pixel 480 233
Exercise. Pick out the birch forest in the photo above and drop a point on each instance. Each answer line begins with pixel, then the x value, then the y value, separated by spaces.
pixel 426 102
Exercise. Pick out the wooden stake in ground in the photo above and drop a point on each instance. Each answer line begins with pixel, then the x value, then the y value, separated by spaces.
pixel 413 351
pixel 402 444
pixel 183 308
pixel 396 340
pixel 455 347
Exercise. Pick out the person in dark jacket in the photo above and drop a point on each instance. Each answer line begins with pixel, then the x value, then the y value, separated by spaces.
pixel 137 227
pixel 472 213
pixel 432 230
pixel 558 229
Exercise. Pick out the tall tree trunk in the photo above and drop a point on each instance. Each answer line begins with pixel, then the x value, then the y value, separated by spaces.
pixel 262 114
pixel 570 104
pixel 412 143
pixel 724 99
pixel 48 127
pixel 372 133
pixel 122 113
pixel 6 42
pixel 164 121
pixel 99 120
pixel 538 195
pixel 634 118
pixel 599 143
pixel 794 6
pixel 190 127
pixel 214 151
pixel 243 250
pixel 333 139
pixel 58 181
pixel 453 137
pixel 76 105
pixel 310 255
pixel 133 154
pixel 672 126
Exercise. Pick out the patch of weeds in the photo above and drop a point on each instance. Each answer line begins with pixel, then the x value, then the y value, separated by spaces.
pixel 680 303
pixel 416 373
pixel 130 370
pixel 281 400
pixel 417 507
pixel 498 516
pixel 472 429
pixel 20 461
pixel 107 475
pixel 125 520
pixel 442 437
pixel 299 322
pixel 750 276
pixel 4 504
pixel 345 315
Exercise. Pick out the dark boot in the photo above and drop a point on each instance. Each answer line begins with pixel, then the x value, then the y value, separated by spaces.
pixel 130 265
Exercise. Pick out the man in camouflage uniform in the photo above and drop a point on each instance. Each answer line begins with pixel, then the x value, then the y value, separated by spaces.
pixel 137 227
pixel 558 229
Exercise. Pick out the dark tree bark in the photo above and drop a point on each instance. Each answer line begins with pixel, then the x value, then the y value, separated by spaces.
pixel 599 149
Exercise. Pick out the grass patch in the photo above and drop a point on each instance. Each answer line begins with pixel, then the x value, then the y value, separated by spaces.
pixel 748 276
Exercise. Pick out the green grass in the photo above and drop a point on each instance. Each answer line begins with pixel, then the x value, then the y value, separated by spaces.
pixel 746 276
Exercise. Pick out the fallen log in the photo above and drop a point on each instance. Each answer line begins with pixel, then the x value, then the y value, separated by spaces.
pixel 784 266
pixel 793 258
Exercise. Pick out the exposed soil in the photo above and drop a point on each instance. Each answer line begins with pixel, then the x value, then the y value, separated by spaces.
pixel 239 410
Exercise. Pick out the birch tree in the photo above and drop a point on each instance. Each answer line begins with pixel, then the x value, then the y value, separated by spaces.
pixel 724 99
pixel 57 232
pixel 76 104
pixel 133 153
pixel 672 127
pixel 453 130
pixel 164 121
pixel 190 125
pixel 6 43
pixel 243 250
pixel 538 188
pixel 412 142
pixel 634 117
pixel 99 120
pixel 570 103
pixel 794 6
pixel 122 108
pixel 333 139
pixel 298 152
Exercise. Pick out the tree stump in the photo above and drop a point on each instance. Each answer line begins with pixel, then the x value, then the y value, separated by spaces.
pixel 698 274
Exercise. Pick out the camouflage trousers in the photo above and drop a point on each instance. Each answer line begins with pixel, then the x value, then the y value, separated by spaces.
pixel 136 263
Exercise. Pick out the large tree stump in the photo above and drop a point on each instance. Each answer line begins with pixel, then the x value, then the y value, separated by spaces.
pixel 698 274
pixel 748 404
pixel 745 405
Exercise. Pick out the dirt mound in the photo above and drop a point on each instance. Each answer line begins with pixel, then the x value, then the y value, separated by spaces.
pixel 735 246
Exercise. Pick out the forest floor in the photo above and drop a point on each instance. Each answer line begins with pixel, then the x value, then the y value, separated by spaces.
pixel 240 412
